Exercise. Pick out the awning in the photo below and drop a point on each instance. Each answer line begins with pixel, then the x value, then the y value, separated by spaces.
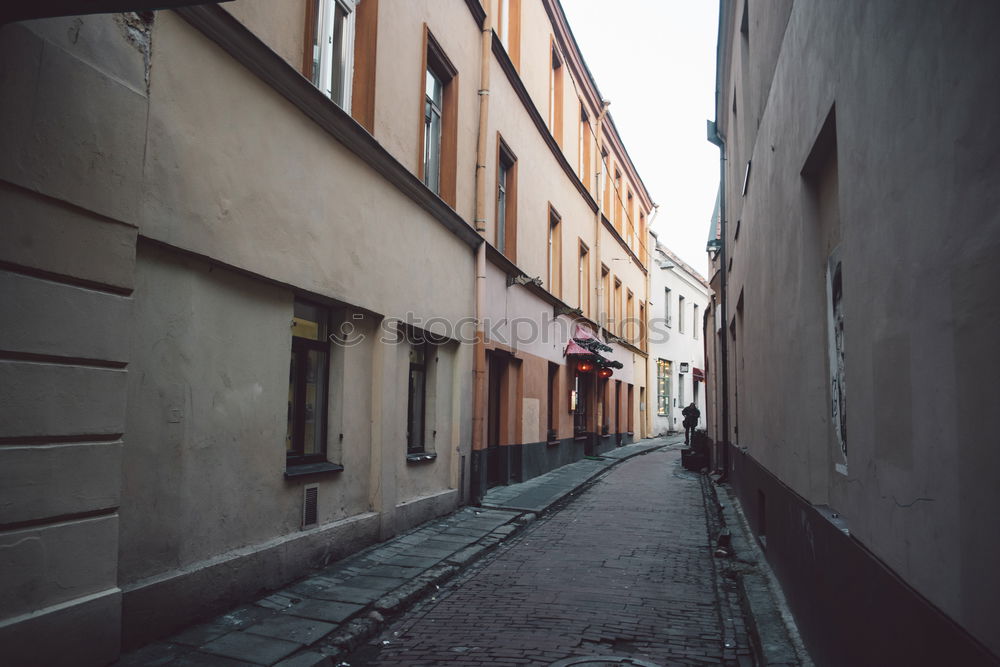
pixel 697 375
pixel 572 347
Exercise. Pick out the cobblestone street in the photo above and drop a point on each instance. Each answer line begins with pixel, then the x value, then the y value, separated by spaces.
pixel 625 569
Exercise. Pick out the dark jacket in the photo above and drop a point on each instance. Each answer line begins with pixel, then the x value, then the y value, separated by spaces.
pixel 691 415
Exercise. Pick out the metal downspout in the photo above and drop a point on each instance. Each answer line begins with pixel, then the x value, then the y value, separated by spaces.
pixel 479 353
pixel 648 261
pixel 716 138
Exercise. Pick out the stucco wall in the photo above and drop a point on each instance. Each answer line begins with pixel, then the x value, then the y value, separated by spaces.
pixel 909 83
pixel 263 188
pixel 674 345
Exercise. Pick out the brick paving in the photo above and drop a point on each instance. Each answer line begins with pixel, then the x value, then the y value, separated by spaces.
pixel 625 569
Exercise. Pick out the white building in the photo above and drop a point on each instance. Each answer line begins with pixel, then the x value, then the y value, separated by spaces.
pixel 678 297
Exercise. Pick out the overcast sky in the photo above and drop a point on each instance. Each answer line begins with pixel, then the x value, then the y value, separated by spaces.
pixel 655 61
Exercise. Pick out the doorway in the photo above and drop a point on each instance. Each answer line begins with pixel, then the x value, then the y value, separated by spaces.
pixel 495 415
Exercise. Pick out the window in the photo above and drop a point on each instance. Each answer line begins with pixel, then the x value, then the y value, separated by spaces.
pixel 642 326
pixel 606 290
pixel 553 406
pixel 433 99
pixel 630 221
pixel 629 333
pixel 618 307
pixel 305 437
pixel 695 323
pixel 667 307
pixel 630 418
pixel 606 204
pixel 556 94
pixel 439 123
pixel 583 279
pixel 417 402
pixel 680 314
pixel 642 228
pixel 662 387
pixel 555 254
pixel 617 194
pixel 506 220
pixel 330 65
pixel 509 28
pixel 584 148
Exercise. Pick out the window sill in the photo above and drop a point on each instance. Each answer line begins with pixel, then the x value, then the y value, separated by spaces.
pixel 311 469
pixel 579 438
pixel 421 457
pixel 552 443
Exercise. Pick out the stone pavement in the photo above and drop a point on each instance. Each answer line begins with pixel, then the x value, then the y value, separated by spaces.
pixel 624 570
pixel 540 493
pixel 324 615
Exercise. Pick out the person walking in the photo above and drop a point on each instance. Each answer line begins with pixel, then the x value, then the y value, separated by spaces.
pixel 691 417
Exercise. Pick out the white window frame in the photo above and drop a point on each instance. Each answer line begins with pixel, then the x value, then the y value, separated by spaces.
pixel 323 76
pixel 433 128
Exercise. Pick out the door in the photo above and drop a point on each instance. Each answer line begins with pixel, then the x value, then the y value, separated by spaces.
pixel 618 412
pixel 494 418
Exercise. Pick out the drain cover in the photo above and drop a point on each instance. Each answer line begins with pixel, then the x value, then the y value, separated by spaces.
pixel 603 661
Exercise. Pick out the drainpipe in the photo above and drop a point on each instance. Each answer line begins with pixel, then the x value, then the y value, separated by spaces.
pixel 605 104
pixel 715 137
pixel 479 353
pixel 648 260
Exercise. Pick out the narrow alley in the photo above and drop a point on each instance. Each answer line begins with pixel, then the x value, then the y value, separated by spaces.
pixel 625 570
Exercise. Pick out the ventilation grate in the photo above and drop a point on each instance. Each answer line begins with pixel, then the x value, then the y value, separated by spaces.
pixel 310 501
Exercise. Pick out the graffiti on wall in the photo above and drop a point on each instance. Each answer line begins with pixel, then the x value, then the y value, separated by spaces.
pixel 835 342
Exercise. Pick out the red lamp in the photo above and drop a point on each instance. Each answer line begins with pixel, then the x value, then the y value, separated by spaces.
pixel 584 366
pixel 605 373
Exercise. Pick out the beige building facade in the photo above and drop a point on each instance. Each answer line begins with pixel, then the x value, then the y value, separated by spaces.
pixel 259 311
pixel 856 317
pixel 566 258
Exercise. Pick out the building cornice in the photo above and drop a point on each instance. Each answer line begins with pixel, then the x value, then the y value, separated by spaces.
pixel 515 81
pixel 559 306
pixel 618 237
pixel 247 49
pixel 478 13
pixel 571 50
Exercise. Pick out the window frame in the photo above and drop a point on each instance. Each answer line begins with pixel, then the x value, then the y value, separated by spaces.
pixel 680 313
pixel 508 28
pixel 556 91
pixel 507 245
pixel 418 444
pixel 629 335
pixel 315 60
pixel 299 351
pixel 618 307
pixel 437 63
pixel 555 253
pixel 606 288
pixel 662 388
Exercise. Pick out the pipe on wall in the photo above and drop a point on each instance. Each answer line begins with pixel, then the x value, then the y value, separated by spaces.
pixel 479 354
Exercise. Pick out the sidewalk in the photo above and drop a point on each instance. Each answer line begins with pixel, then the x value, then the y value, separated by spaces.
pixel 329 613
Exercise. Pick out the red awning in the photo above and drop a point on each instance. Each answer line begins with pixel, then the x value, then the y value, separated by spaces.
pixel 572 347
pixel 698 375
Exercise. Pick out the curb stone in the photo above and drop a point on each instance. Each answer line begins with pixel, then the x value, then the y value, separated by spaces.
pixel 368 619
pixel 773 635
